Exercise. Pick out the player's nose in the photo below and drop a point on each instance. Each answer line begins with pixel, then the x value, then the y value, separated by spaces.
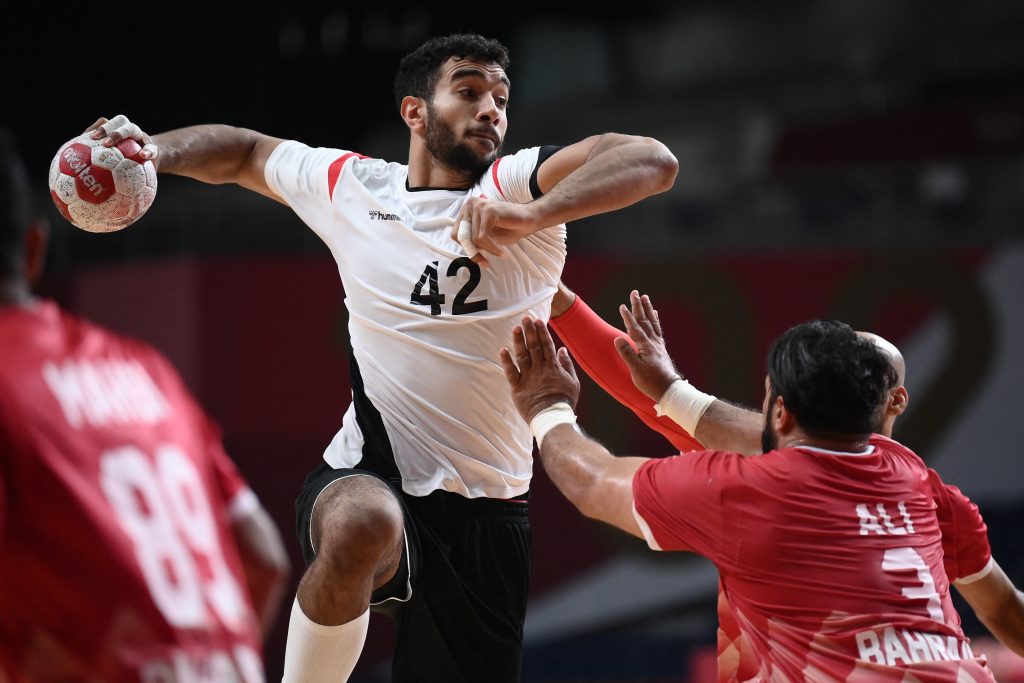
pixel 489 110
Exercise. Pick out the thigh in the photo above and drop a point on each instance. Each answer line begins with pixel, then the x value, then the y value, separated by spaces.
pixel 464 622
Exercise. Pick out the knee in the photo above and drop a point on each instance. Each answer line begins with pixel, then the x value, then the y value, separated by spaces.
pixel 360 531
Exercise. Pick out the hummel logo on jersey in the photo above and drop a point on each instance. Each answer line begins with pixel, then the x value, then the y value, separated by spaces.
pixel 381 216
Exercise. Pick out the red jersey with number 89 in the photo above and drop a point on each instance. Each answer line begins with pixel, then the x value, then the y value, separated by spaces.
pixel 117 561
pixel 832 562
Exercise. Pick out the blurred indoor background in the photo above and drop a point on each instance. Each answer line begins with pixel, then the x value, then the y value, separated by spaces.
pixel 859 160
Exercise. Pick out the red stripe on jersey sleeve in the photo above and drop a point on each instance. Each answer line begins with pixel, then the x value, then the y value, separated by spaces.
pixel 494 176
pixel 334 170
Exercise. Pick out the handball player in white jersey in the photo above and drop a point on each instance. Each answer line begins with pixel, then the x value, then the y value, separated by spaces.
pixel 419 508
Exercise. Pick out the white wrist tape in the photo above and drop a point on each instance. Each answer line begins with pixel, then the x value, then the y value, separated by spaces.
pixel 466 238
pixel 683 404
pixel 543 422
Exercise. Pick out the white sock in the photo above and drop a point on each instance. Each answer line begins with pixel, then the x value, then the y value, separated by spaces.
pixel 322 654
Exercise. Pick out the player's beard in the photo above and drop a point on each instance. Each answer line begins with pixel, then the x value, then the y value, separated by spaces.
pixel 455 154
pixel 769 439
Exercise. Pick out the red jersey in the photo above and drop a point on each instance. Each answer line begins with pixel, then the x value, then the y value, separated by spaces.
pixel 117 561
pixel 967 556
pixel 832 562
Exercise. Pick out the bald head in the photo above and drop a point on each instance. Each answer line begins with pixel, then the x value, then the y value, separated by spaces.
pixel 890 351
pixel 898 397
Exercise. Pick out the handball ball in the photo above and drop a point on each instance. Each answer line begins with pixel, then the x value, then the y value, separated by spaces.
pixel 101 189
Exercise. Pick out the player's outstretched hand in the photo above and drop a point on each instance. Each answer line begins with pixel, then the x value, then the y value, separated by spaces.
pixel 650 365
pixel 485 225
pixel 540 376
pixel 119 128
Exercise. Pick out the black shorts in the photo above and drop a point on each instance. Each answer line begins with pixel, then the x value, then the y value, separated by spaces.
pixel 459 597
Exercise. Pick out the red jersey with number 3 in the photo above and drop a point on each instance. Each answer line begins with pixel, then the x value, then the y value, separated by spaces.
pixel 966 553
pixel 117 562
pixel 832 562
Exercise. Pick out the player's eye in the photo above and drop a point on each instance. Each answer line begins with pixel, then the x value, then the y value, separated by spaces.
pixel 502 102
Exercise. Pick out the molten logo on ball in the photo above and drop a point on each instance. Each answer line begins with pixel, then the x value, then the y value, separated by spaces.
pixel 72 162
pixel 101 189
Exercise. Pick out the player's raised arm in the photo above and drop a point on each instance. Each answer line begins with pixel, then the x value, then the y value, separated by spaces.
pixel 600 174
pixel 596 175
pixel 213 153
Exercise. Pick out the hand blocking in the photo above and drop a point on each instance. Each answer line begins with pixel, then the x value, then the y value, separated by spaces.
pixel 542 379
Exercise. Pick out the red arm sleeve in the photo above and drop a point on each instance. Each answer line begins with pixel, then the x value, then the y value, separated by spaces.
pixel 590 341
pixel 965 546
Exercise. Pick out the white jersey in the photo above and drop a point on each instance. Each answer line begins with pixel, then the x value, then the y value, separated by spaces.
pixel 425 322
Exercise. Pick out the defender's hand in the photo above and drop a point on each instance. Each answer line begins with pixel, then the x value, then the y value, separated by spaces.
pixel 650 365
pixel 540 376
pixel 120 128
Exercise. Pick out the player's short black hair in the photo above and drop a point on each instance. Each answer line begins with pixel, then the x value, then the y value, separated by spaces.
pixel 15 205
pixel 830 378
pixel 419 71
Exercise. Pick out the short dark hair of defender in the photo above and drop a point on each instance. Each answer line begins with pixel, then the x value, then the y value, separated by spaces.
pixel 832 380
pixel 419 71
pixel 15 206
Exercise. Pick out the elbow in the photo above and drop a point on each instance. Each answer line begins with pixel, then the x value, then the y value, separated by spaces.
pixel 601 509
pixel 269 573
pixel 269 580
pixel 581 493
pixel 589 503
pixel 279 567
pixel 654 164
pixel 663 163
pixel 270 554
pixel 262 551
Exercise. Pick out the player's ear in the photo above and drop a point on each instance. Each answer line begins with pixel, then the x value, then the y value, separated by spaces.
pixel 414 113
pixel 898 401
pixel 782 420
pixel 37 239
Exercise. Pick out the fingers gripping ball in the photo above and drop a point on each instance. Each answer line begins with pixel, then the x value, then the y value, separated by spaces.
pixel 101 189
pixel 466 238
